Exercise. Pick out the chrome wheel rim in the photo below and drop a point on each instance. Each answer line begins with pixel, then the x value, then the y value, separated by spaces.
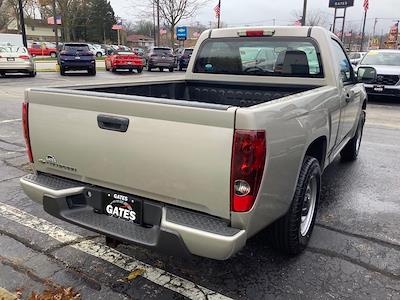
pixel 308 209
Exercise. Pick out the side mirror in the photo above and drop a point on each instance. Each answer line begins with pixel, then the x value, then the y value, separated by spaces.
pixel 366 74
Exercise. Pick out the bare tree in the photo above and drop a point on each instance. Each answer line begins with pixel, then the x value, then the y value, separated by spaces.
pixel 315 17
pixel 174 11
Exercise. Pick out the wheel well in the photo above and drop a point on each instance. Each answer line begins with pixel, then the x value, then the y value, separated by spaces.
pixel 317 149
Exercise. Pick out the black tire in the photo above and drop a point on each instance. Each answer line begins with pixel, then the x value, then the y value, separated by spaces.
pixel 180 68
pixel 92 72
pixel 140 70
pixel 149 69
pixel 286 233
pixel 171 69
pixel 62 71
pixel 32 74
pixel 352 148
pixel 114 70
pixel 161 69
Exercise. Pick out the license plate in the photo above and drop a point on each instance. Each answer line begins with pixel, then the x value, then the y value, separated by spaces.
pixel 10 59
pixel 77 57
pixel 122 206
pixel 379 88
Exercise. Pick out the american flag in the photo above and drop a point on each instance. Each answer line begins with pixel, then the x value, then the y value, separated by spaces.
pixel 366 5
pixel 297 22
pixel 50 20
pixel 217 10
pixel 163 31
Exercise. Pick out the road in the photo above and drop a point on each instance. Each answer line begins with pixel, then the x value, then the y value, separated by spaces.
pixel 354 252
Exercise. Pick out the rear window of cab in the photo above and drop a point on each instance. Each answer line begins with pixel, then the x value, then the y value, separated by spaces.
pixel 260 56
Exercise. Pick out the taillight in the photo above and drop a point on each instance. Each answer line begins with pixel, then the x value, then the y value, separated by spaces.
pixel 24 56
pixel 25 125
pixel 248 160
pixel 256 33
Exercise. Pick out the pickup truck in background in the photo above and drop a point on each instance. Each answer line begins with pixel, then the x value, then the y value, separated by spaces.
pixel 200 165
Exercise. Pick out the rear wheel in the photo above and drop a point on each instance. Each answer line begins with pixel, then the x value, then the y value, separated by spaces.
pixel 292 232
pixel 352 148
pixel 32 74
pixel 140 70
pixel 171 69
pixel 161 69
pixel 113 70
pixel 62 71
pixel 92 72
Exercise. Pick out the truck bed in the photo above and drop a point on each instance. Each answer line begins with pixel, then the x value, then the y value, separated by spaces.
pixel 230 94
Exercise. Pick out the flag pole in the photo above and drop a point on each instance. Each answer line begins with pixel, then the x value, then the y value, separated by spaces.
pixel 219 15
pixel 363 30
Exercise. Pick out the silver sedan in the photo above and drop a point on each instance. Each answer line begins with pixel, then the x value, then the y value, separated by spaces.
pixel 15 59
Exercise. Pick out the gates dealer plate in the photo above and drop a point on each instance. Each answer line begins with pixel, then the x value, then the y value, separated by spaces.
pixel 122 206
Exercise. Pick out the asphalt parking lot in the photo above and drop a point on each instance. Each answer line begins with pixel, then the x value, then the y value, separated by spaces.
pixel 354 252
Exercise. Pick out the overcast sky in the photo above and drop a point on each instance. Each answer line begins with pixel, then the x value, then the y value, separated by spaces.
pixel 262 12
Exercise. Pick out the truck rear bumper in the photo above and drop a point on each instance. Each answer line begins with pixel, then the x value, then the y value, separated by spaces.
pixel 168 229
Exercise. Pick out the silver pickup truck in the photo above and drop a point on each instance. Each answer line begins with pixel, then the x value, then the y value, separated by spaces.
pixel 201 164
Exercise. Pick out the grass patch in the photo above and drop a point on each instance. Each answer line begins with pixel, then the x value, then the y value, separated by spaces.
pixel 50 59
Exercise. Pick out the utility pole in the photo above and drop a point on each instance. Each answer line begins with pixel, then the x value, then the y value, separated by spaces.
pixel 22 23
pixel 303 19
pixel 154 25
pixel 219 13
pixel 274 21
pixel 55 23
pixel 376 21
pixel 363 30
pixel 158 22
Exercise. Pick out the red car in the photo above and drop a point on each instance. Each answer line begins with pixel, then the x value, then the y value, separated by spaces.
pixel 42 50
pixel 124 60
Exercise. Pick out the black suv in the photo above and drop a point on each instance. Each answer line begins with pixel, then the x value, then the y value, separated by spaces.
pixel 74 56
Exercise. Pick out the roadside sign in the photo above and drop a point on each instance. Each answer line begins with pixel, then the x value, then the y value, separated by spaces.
pixel 182 33
pixel 341 3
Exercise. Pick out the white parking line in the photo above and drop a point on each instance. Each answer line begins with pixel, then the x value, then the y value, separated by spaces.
pixel 119 259
pixel 10 121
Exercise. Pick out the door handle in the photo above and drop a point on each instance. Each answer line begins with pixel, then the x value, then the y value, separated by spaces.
pixel 113 123
pixel 349 96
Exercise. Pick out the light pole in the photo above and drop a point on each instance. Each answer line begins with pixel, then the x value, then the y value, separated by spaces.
pixel 55 23
pixel 303 19
pixel 22 23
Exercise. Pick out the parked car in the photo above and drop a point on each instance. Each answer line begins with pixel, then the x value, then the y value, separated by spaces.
pixel 76 56
pixel 199 165
pixel 162 58
pixel 123 60
pixel 14 59
pixel 356 57
pixel 385 75
pixel 97 50
pixel 139 51
pixel 184 58
pixel 42 49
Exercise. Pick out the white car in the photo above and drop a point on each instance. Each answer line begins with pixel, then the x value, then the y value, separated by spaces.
pixel 14 59
pixel 356 57
pixel 97 50
pixel 385 72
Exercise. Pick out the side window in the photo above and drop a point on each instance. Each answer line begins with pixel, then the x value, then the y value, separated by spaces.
pixel 345 66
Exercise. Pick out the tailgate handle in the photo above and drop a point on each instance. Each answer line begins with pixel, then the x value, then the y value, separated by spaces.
pixel 113 123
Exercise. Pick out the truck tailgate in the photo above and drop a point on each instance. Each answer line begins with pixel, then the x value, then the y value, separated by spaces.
pixel 179 155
